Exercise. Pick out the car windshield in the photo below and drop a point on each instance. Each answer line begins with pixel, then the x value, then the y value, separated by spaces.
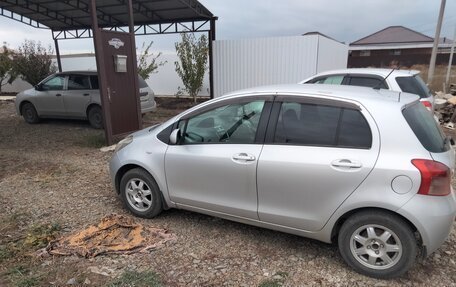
pixel 414 85
pixel 425 128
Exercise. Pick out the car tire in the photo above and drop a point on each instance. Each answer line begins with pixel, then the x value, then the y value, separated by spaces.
pixel 377 244
pixel 140 193
pixel 29 113
pixel 95 117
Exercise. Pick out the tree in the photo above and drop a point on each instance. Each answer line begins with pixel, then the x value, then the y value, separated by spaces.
pixel 145 68
pixel 192 63
pixel 33 62
pixel 7 75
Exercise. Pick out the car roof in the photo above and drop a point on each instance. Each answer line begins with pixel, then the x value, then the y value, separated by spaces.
pixel 80 72
pixel 369 71
pixel 363 95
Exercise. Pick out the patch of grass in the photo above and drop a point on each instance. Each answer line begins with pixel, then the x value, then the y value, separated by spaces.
pixel 40 235
pixel 93 141
pixel 277 280
pixel 137 279
pixel 6 253
pixel 23 277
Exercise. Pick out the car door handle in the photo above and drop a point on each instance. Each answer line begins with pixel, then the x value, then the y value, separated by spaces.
pixel 58 95
pixel 86 94
pixel 346 163
pixel 243 157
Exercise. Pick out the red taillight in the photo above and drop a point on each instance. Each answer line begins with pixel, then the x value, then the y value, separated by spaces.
pixel 427 104
pixel 435 177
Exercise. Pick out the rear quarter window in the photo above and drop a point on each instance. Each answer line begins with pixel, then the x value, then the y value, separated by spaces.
pixel 425 128
pixel 413 85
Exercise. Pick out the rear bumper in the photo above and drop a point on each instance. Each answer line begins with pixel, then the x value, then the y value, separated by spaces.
pixel 148 106
pixel 433 216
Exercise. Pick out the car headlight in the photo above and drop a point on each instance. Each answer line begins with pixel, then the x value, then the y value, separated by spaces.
pixel 123 143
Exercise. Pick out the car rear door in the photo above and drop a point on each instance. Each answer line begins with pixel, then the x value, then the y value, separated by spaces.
pixel 316 153
pixel 214 165
pixel 77 96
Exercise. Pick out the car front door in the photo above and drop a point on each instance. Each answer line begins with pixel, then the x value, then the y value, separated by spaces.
pixel 49 97
pixel 315 155
pixel 78 94
pixel 213 166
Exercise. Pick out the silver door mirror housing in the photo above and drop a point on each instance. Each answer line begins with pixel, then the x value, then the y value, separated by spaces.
pixel 174 136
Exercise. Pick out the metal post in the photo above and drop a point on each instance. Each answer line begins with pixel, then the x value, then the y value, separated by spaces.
pixel 57 52
pixel 436 43
pixel 131 29
pixel 211 57
pixel 102 79
pixel 450 61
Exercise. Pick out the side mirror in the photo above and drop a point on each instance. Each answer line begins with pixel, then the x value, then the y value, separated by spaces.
pixel 174 137
pixel 39 87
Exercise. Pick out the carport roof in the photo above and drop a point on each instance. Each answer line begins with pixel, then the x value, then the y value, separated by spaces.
pixel 75 14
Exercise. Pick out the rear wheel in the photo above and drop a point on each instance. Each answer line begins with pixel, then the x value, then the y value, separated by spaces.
pixel 378 244
pixel 29 113
pixel 95 117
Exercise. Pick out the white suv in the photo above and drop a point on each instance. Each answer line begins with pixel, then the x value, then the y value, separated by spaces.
pixel 407 81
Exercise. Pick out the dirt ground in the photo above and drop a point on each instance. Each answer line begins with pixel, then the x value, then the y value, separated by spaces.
pixel 54 181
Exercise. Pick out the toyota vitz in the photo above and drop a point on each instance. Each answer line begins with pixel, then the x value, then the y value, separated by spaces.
pixel 368 169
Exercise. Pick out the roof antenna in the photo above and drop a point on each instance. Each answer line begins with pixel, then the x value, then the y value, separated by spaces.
pixel 377 87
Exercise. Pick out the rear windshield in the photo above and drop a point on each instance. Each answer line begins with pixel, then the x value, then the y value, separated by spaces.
pixel 414 85
pixel 425 128
pixel 142 83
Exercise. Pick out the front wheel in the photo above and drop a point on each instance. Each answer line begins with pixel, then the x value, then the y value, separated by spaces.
pixel 140 193
pixel 378 244
pixel 29 113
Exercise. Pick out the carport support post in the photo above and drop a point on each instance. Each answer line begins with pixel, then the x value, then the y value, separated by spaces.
pixel 57 52
pixel 131 30
pixel 211 56
pixel 102 79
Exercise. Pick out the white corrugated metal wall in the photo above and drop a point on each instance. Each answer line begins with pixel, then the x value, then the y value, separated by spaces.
pixel 247 63
pixel 331 55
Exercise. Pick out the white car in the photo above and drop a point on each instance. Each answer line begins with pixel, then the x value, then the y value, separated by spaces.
pixel 408 81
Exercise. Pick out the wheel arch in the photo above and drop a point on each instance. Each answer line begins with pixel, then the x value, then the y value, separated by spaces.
pixel 124 169
pixel 21 104
pixel 340 221
pixel 90 106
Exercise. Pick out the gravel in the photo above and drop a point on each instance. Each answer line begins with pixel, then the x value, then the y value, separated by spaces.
pixel 50 173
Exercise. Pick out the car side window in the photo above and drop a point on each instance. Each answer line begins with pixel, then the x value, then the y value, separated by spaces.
pixel 320 125
pixel 54 84
pixel 94 82
pixel 328 80
pixel 367 82
pixel 232 124
pixel 307 124
pixel 78 82
pixel 354 130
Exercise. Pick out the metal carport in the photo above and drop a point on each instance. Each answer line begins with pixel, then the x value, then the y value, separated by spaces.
pixel 73 19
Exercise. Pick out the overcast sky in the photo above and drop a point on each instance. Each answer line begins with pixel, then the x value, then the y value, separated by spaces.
pixel 346 21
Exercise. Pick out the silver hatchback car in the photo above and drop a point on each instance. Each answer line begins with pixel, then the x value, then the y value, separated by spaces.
pixel 72 95
pixel 368 169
